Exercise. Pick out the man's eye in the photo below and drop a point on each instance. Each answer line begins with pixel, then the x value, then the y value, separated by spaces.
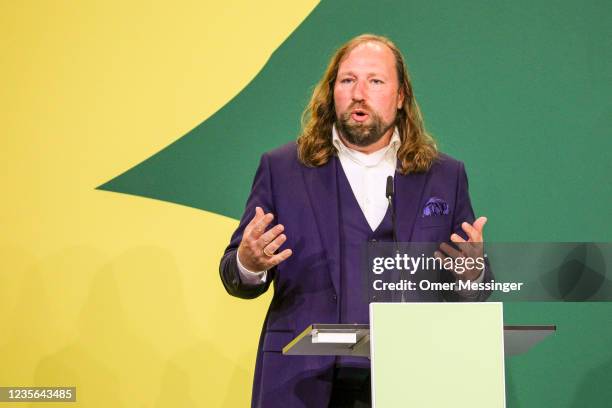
pixel 346 81
pixel 377 81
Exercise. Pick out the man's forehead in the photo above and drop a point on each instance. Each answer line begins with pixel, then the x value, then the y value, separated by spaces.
pixel 368 55
pixel 372 45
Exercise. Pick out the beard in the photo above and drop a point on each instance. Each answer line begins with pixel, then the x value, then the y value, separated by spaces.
pixel 362 134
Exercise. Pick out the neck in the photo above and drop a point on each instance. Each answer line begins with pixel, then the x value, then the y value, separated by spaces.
pixel 379 144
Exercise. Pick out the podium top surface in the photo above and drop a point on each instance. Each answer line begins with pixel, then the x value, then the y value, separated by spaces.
pixel 354 339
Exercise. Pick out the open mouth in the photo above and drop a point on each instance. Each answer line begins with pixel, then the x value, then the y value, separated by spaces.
pixel 359 115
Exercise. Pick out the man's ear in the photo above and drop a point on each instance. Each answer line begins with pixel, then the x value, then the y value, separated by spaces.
pixel 400 99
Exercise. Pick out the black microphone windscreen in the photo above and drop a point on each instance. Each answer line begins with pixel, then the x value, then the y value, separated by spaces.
pixel 389 192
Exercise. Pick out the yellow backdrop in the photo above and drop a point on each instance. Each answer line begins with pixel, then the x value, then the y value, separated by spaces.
pixel 115 294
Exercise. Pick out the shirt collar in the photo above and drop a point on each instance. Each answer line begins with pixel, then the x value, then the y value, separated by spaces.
pixel 388 152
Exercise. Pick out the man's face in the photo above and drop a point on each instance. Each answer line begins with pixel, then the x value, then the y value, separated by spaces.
pixel 366 94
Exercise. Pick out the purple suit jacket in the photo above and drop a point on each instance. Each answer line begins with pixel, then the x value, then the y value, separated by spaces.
pixel 306 286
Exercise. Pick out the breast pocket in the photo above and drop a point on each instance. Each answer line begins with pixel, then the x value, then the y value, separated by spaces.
pixel 433 221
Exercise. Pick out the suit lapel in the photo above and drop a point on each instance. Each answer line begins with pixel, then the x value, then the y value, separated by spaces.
pixel 408 196
pixel 322 189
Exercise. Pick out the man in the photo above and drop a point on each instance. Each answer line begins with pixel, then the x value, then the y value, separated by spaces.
pixel 327 195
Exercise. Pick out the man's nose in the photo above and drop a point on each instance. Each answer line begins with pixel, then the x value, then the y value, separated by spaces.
pixel 359 91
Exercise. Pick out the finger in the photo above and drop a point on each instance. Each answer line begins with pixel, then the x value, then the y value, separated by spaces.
pixel 473 234
pixel 273 246
pixel 258 214
pixel 439 255
pixel 280 257
pixel 450 251
pixel 270 236
pixel 480 223
pixel 465 247
pixel 260 226
pixel 456 238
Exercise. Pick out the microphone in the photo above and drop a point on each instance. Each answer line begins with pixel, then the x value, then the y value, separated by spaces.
pixel 390 190
pixel 389 194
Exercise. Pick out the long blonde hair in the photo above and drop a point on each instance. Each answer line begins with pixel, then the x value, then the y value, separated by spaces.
pixel 417 150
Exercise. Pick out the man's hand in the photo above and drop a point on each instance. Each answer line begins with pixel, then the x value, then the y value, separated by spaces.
pixel 257 249
pixel 472 248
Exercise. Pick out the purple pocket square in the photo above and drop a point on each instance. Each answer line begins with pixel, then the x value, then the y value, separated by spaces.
pixel 435 206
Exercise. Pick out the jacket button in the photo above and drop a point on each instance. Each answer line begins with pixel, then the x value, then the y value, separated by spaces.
pixel 334 298
pixel 373 240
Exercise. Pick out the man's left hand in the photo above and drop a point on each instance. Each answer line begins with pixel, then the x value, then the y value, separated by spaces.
pixel 472 248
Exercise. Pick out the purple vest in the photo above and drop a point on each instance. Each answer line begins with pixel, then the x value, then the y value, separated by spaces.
pixel 354 232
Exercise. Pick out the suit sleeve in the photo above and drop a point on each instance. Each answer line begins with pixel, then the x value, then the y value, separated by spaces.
pixel 260 196
pixel 464 213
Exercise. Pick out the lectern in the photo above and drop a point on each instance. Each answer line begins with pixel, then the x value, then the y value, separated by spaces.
pixel 428 354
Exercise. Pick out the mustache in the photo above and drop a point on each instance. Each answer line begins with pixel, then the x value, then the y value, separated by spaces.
pixel 359 105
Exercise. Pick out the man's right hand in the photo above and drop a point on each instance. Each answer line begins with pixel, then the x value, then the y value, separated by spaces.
pixel 257 249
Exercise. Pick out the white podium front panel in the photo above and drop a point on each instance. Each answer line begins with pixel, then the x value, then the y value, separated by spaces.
pixel 437 355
